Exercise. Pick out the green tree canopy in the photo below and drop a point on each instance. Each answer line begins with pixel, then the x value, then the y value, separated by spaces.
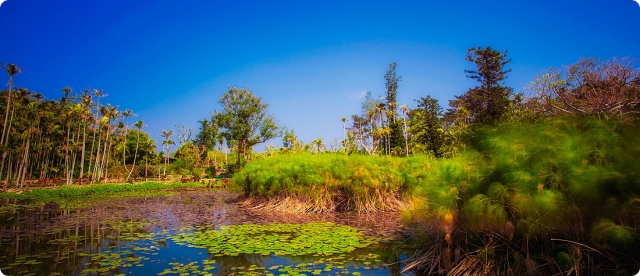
pixel 426 126
pixel 245 121
pixel 489 101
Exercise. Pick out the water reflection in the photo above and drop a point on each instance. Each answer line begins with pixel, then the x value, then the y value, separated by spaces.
pixel 130 236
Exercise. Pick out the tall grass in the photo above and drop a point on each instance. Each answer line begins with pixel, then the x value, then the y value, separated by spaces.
pixel 556 196
pixel 320 183
pixel 560 196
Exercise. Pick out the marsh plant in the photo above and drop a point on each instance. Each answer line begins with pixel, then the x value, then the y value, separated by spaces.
pixel 558 196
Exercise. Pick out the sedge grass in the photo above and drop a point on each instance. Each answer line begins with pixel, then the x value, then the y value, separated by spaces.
pixel 506 204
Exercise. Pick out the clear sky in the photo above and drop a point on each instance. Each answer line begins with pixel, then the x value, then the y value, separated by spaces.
pixel 312 61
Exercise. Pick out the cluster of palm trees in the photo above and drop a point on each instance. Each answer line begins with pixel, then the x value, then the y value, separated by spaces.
pixel 373 130
pixel 75 138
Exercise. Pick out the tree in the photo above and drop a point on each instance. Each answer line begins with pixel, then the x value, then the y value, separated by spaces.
pixel 167 142
pixel 126 114
pixel 394 138
pixel 344 126
pixel 290 141
pixel 187 158
pixel 11 70
pixel 608 89
pixel 426 126
pixel 318 144
pixel 405 110
pixel 138 125
pixel 489 101
pixel 245 121
pixel 365 127
pixel 208 135
pixel 184 133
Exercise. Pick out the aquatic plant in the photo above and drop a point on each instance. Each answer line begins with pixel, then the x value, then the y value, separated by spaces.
pixel 324 183
pixel 280 239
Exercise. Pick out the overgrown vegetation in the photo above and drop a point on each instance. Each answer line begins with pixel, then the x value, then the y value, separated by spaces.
pixel 565 204
pixel 539 182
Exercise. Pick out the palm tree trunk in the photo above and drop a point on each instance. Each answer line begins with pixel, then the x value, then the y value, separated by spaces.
pixel 6 116
pixel 24 162
pixel 84 138
pixel 166 154
pixel 406 142
pixel 134 157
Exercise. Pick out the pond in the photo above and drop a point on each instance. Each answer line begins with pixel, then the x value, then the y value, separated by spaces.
pixel 194 233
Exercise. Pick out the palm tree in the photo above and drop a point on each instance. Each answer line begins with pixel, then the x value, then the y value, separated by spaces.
pixel 86 105
pixel 344 126
pixel 167 143
pixel 126 114
pixel 138 125
pixel 405 110
pixel 12 70
pixel 318 143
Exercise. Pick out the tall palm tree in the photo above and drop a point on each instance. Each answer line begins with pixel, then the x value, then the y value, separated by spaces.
pixel 126 114
pixel 138 125
pixel 166 143
pixel 344 126
pixel 86 106
pixel 12 70
pixel 405 110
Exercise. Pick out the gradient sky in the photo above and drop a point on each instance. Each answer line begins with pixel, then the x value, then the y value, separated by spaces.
pixel 312 61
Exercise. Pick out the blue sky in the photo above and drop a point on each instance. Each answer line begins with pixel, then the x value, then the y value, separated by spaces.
pixel 312 61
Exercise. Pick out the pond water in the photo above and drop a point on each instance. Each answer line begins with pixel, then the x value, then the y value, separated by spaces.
pixel 194 233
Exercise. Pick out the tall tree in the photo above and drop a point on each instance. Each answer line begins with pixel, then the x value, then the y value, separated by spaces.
pixel 394 140
pixel 344 126
pixel 489 101
pixel 245 121
pixel 405 111
pixel 138 125
pixel 426 126
pixel 167 142
pixel 11 70
pixel 207 137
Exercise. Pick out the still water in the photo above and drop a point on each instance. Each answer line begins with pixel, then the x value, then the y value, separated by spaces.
pixel 137 236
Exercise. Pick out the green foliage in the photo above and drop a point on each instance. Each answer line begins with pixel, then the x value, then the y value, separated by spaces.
pixel 571 179
pixel 208 136
pixel 427 127
pixel 244 121
pixel 488 102
pixel 73 194
pixel 187 158
pixel 146 146
pixel 326 178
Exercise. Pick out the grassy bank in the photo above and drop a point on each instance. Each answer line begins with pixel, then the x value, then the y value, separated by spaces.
pixel 68 195
pixel 558 196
